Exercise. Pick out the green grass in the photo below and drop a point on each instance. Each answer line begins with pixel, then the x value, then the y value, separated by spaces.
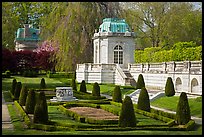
pixel 59 117
pixel 107 89
pixel 51 83
pixel 170 103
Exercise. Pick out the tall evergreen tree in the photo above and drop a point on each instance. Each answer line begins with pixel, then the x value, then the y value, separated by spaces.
pixel 74 86
pixel 127 116
pixel 42 83
pixel 140 82
pixel 169 87
pixel 41 110
pixel 96 90
pixel 30 102
pixel 117 97
pixel 23 95
pixel 17 90
pixel 143 100
pixel 83 86
pixel 13 86
pixel 183 110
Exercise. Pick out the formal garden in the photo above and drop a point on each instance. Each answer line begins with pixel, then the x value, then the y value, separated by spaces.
pixel 33 113
pixel 44 43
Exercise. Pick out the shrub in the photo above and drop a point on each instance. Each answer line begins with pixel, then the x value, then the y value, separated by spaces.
pixel 17 90
pixel 23 95
pixel 30 102
pixel 13 86
pixel 83 86
pixel 74 86
pixel 117 97
pixel 8 74
pixel 127 115
pixel 42 84
pixel 169 87
pixel 143 100
pixel 29 73
pixel 41 111
pixel 140 82
pixel 183 110
pixel 96 90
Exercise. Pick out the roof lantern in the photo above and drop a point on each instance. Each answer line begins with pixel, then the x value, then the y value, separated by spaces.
pixel 114 25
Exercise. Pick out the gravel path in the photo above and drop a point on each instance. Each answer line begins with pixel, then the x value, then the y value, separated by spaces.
pixel 6 120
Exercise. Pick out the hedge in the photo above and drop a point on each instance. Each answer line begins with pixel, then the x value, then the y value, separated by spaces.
pixel 180 51
pixel 23 114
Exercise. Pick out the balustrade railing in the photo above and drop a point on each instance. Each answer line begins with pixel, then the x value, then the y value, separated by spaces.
pixel 167 67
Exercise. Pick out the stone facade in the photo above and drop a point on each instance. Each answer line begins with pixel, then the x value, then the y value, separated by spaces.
pixel 114 63
pixel 27 38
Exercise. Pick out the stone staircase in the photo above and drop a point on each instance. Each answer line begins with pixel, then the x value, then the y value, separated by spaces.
pixel 152 95
pixel 129 80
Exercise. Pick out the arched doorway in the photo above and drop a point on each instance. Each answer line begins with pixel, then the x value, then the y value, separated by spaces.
pixel 118 54
pixel 194 85
pixel 178 84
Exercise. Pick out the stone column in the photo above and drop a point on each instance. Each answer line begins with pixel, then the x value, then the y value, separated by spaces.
pixel 164 65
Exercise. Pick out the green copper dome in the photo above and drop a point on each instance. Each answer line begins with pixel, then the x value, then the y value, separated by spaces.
pixel 114 25
pixel 33 34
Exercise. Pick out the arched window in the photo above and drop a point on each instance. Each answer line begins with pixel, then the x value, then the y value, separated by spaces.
pixel 194 85
pixel 178 84
pixel 118 54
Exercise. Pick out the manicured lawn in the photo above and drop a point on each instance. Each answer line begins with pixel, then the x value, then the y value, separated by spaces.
pixel 57 116
pixel 51 83
pixel 171 104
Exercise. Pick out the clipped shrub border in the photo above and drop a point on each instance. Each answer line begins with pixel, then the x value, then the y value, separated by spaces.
pixel 84 119
pixel 100 124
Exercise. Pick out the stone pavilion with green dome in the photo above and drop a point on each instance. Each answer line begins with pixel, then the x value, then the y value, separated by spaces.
pixel 27 38
pixel 114 48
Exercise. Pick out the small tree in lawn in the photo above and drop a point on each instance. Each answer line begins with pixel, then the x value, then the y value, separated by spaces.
pixel 183 110
pixel 41 111
pixel 42 83
pixel 23 95
pixel 74 86
pixel 96 90
pixel 17 90
pixel 140 82
pixel 117 97
pixel 169 87
pixel 83 86
pixel 13 86
pixel 143 100
pixel 127 115
pixel 30 102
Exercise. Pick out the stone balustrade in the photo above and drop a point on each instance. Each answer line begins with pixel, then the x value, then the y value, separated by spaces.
pixel 194 67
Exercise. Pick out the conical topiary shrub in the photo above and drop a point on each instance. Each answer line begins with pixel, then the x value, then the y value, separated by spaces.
pixel 74 86
pixel 23 95
pixel 30 102
pixel 169 87
pixel 17 90
pixel 13 86
pixel 117 97
pixel 183 110
pixel 127 115
pixel 41 111
pixel 143 100
pixel 83 86
pixel 140 82
pixel 96 90
pixel 42 83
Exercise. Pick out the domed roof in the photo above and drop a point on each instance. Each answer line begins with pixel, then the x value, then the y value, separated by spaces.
pixel 114 25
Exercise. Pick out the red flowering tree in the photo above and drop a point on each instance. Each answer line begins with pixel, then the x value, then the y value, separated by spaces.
pixel 8 60
pixel 44 52
pixel 25 60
